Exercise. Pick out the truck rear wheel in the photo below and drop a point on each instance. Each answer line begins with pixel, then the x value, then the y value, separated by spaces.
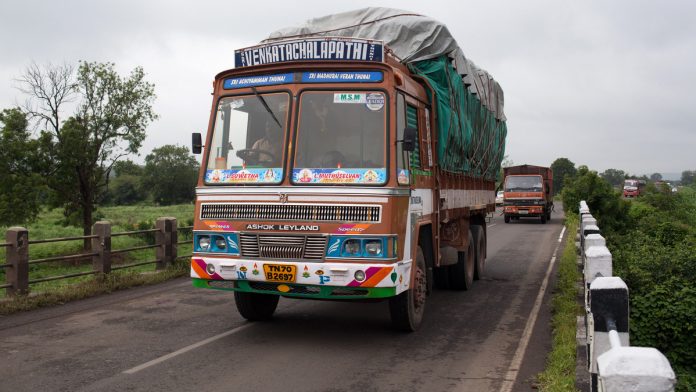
pixel 543 218
pixel 462 273
pixel 254 306
pixel 479 250
pixel 507 218
pixel 407 308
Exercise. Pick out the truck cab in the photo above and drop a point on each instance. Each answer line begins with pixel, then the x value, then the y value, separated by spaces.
pixel 527 193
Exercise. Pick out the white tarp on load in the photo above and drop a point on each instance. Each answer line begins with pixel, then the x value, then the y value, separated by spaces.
pixel 411 37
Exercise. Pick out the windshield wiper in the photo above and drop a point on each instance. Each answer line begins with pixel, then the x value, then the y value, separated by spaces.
pixel 265 105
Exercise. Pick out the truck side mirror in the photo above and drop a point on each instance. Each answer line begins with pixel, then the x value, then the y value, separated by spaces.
pixel 196 143
pixel 409 141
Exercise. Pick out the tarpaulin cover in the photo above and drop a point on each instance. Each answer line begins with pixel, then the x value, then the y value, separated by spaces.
pixel 471 118
pixel 471 140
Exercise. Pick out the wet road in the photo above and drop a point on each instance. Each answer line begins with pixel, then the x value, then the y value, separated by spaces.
pixel 176 338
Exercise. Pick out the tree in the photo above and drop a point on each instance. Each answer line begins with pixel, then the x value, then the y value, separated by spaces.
pixel 615 177
pixel 127 167
pixel 562 168
pixel 21 187
pixel 688 177
pixel 171 173
pixel 109 122
pixel 656 177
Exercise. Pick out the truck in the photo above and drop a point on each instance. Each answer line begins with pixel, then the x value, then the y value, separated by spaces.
pixel 633 187
pixel 528 192
pixel 353 164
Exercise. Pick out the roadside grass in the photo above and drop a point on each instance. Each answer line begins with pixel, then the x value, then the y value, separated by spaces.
pixel 559 374
pixel 123 218
pixel 93 285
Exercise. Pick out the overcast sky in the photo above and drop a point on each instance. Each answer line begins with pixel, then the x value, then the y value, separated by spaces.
pixel 608 84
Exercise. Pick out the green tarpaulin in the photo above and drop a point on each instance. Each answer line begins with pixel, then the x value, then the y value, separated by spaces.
pixel 471 140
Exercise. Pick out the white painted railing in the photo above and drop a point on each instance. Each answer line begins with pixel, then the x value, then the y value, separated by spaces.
pixel 613 365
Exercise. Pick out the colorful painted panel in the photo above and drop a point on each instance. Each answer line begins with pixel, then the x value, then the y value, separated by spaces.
pixel 244 175
pixel 339 176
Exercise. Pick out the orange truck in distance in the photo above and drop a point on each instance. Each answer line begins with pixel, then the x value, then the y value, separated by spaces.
pixel 528 192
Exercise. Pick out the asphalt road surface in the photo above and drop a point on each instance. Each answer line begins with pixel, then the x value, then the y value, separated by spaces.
pixel 172 337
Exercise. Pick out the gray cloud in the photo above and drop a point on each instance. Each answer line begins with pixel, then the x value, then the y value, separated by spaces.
pixel 607 84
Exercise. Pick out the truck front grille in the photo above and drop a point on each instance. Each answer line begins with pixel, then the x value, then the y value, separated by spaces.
pixel 292 212
pixel 287 247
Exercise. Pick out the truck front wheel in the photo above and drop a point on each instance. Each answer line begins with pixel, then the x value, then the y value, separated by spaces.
pixel 254 306
pixel 407 308
pixel 543 218
pixel 507 218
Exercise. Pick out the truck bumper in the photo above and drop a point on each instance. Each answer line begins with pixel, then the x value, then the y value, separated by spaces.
pixel 312 280
pixel 524 211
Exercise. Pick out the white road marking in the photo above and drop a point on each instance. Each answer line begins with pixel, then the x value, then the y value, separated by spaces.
pixel 514 368
pixel 185 349
pixel 492 225
pixel 560 237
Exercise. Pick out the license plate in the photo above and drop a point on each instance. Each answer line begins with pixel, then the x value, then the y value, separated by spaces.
pixel 280 272
pixel 523 212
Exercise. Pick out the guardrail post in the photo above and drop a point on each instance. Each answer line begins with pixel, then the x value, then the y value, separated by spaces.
pixel 17 255
pixel 166 237
pixel 608 311
pixel 598 262
pixel 101 245
pixel 638 369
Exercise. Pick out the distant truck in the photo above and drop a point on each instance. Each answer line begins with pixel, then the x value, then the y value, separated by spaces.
pixel 528 192
pixel 633 188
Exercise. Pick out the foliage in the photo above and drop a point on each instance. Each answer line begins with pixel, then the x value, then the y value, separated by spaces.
pixel 656 177
pixel 615 177
pixel 171 174
pixel 127 167
pixel 559 374
pixel 126 189
pixel 21 187
pixel 605 203
pixel 653 245
pixel 688 177
pixel 562 168
pixel 110 122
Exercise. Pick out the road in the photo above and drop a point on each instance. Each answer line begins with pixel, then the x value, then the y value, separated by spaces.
pixel 172 337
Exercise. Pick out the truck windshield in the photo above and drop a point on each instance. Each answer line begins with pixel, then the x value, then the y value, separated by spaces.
pixel 341 138
pixel 523 184
pixel 248 140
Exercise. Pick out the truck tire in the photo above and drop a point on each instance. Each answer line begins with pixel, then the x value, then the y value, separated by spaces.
pixel 462 273
pixel 479 250
pixel 254 306
pixel 507 218
pixel 407 308
pixel 543 218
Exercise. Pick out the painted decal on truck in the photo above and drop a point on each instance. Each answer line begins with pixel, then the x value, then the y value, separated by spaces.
pixel 339 176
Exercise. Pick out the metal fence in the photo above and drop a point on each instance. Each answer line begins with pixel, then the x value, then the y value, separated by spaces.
pixel 603 335
pixel 17 242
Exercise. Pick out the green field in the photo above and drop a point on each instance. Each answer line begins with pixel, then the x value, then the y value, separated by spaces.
pixel 124 218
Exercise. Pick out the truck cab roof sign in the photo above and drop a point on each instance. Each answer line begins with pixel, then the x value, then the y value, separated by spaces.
pixel 310 49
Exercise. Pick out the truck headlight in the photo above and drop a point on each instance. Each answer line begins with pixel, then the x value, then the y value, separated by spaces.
pixel 351 248
pixel 373 247
pixel 204 243
pixel 220 243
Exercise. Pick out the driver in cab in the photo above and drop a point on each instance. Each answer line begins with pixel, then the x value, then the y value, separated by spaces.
pixel 268 148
